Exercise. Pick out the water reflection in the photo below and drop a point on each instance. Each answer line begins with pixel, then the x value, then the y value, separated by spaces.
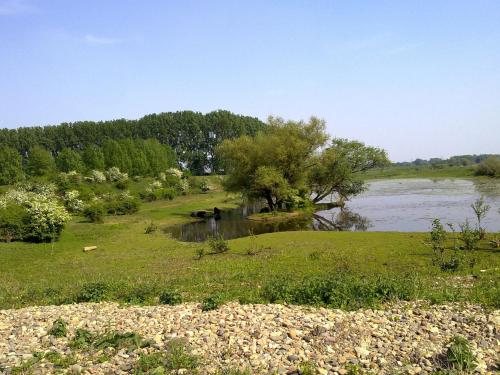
pixel 343 220
pixel 234 224
pixel 407 205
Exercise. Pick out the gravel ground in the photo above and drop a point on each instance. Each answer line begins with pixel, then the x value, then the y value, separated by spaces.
pixel 402 338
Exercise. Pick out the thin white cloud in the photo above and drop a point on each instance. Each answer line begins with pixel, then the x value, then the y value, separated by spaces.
pixel 12 7
pixel 104 40
pixel 101 40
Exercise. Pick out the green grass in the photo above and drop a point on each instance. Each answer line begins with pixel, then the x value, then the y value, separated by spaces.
pixel 133 267
pixel 424 171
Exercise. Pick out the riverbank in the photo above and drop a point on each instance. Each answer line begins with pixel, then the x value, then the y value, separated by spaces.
pixel 423 171
pixel 261 339
pixel 277 216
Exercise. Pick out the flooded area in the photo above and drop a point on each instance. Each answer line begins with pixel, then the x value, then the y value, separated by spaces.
pixel 405 205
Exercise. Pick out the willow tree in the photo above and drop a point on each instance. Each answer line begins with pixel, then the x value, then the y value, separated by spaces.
pixel 335 172
pixel 294 160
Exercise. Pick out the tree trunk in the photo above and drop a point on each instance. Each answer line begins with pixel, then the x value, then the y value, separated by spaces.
pixel 270 202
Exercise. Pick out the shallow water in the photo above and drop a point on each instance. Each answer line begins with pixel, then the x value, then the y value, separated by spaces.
pixel 406 205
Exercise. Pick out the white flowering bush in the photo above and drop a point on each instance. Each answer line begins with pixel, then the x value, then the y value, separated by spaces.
pixel 71 201
pixel 114 174
pixel 38 214
pixel 174 172
pixel 97 176
pixel 184 186
pixel 162 176
pixel 155 185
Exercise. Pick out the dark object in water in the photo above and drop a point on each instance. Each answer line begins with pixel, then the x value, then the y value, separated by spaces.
pixel 201 214
pixel 217 213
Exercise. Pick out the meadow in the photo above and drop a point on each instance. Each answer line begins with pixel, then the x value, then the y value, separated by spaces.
pixel 132 266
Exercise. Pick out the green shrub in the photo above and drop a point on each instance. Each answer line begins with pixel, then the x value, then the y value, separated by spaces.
pixel 95 212
pixel 14 221
pixel 341 290
pixel 489 167
pixel 170 298
pixel 92 292
pixel 59 328
pixel 178 356
pixel 121 184
pixel 59 360
pixel 151 228
pixel 82 340
pixel 125 206
pixel 459 355
pixel 152 364
pixel 151 195
pixel 204 187
pixel 211 303
pixel 200 253
pixel 138 294
pixel 217 244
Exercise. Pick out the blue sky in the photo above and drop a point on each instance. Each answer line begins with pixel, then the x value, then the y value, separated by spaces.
pixel 419 78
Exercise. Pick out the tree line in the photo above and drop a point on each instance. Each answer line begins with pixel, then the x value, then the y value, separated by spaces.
pixel 137 157
pixel 457 160
pixel 192 136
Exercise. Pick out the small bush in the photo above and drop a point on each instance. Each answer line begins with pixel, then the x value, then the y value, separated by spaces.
pixel 13 223
pixel 489 167
pixel 211 303
pixel 200 253
pixel 178 356
pixel 82 340
pixel 459 355
pixel 151 228
pixel 26 367
pixel 125 206
pixel 308 368
pixel 59 328
pixel 152 364
pixel 95 212
pixel 138 294
pixel 59 360
pixel 204 187
pixel 92 292
pixel 218 244
pixel 121 184
pixel 170 298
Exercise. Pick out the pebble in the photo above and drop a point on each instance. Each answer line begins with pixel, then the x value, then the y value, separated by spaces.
pixel 404 337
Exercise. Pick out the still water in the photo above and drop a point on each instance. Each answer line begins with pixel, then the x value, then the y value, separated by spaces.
pixel 405 205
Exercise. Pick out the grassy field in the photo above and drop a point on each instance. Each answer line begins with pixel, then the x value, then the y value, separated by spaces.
pixel 136 267
pixel 424 171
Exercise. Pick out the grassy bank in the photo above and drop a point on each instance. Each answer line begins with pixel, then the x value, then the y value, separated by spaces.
pixel 132 266
pixel 424 171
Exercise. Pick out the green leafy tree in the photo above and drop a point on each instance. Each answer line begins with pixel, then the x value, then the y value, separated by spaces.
pixel 116 156
pixel 39 162
pixel 69 160
pixel 289 160
pixel 284 152
pixel 93 158
pixel 11 169
pixel 336 170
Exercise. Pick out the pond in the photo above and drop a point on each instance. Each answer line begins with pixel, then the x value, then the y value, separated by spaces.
pixel 404 205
